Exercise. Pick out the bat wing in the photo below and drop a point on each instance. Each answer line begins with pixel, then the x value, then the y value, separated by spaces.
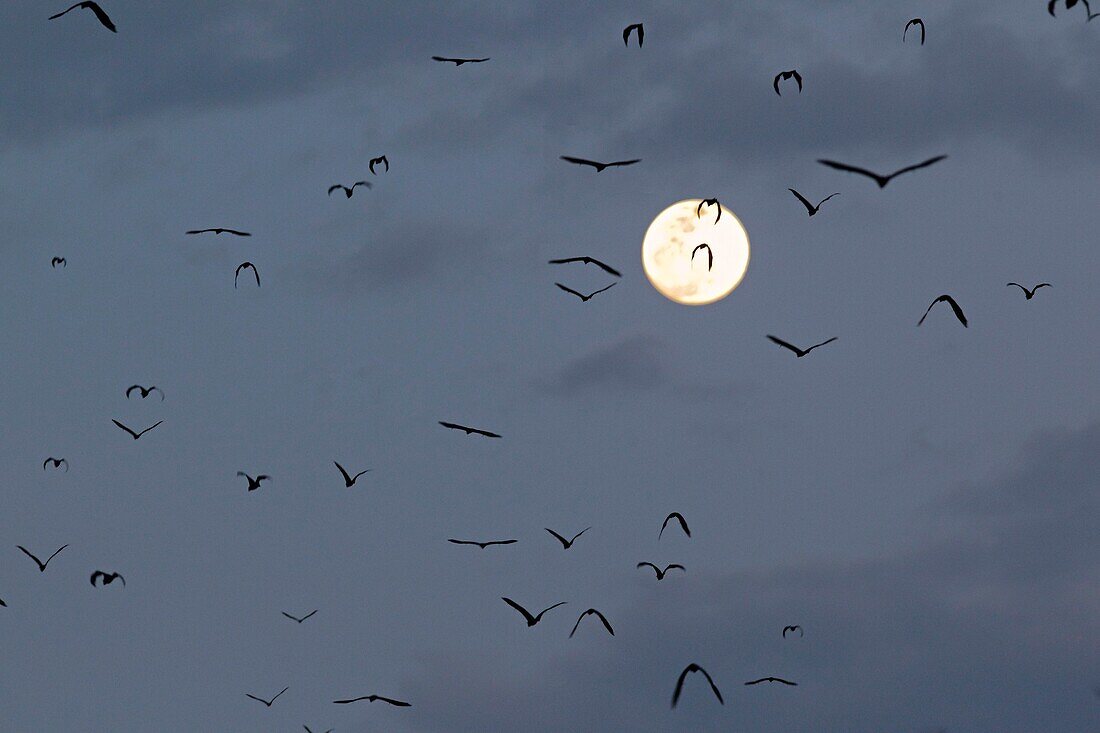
pixel 957 310
pixel 58 15
pixel 606 268
pixel 128 430
pixel 391 701
pixel 784 344
pixel 834 338
pixel 852 169
pixel 521 609
pixel 580 161
pixel 101 15
pixel 805 202
pixel 564 542
pixel 578 534
pixel 550 608
pixel 347 478
pixel 570 290
pixel 624 162
pixel 918 166
pixel 31 556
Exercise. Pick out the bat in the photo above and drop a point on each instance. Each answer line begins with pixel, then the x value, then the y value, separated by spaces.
pixel 880 179
pixel 680 683
pixel 797 351
pixel 782 76
pixel 468 431
pixel 531 620
pixel 954 307
pixel 588 613
pixel 99 14
pixel 596 164
pixel 588 261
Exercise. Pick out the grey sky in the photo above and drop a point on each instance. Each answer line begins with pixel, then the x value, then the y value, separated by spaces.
pixel 922 501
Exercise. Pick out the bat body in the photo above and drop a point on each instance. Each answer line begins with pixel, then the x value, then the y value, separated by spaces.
pixel 678 517
pixel 588 261
pixel 590 612
pixel 483 545
pixel 661 573
pixel 106 578
pixel 634 27
pixel 380 160
pixel 600 167
pixel 246 266
pixel 954 307
pixel 531 620
pixel 566 544
pixel 680 683
pixel 914 22
pixel 584 298
pixel 797 351
pixel 348 191
pixel 468 431
pixel 784 75
pixel 881 180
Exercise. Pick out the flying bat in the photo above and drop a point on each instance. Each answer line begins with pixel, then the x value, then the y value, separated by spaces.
pixel 254 483
pixel 1029 294
pixel 468 431
pixel 596 164
pixel 793 629
pixel 295 618
pixel 309 730
pixel 106 578
pixel 348 191
pixel 661 573
pixel 59 261
pixel 710 254
pixel 134 435
pixel 220 230
pixel 783 75
pixel 381 159
pixel 144 391
pixel 678 517
pixel 459 62
pixel 375 698
pixel 584 298
pixel 954 306
pixel 680 683
pixel 708 202
pixel 810 208
pixel 633 27
pixel 531 620
pixel 56 463
pixel 880 179
pixel 349 480
pixel 910 24
pixel 243 266
pixel 41 565
pixel 771 679
pixel 483 545
pixel 588 261
pixel 1070 4
pixel 266 702
pixel 94 7
pixel 566 544
pixel 588 613
pixel 797 351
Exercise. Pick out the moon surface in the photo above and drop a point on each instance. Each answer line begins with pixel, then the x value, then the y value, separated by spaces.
pixel 672 238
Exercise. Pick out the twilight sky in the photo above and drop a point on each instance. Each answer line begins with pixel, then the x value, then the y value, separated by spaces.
pixel 922 501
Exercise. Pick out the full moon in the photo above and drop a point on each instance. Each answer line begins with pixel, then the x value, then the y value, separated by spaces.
pixel 676 235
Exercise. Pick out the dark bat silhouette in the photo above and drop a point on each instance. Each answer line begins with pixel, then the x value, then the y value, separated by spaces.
pixel 295 618
pixel 797 351
pixel 914 22
pixel 375 698
pixel 566 544
pixel 2 603
pixel 588 613
pixel 220 230
pixel 771 679
pixel 242 266
pixel 41 565
pixel 308 730
pixel 661 573
pixel 254 483
pixel 880 179
pixel 792 74
pixel 708 202
pixel 680 683
pixel 678 517
pixel 531 620
pixel 349 480
pixel 793 629
pixel 380 159
pixel 106 578
pixel 584 298
pixel 483 545
pixel 144 391
pixel 59 261
pixel 468 431
pixel 596 164
pixel 348 191
pixel 710 254
pixel 266 702
pixel 633 27
pixel 459 62
pixel 954 306
pixel 56 463
pixel 1070 4
pixel 810 208
pixel 588 261
pixel 134 435
pixel 94 7
pixel 1029 294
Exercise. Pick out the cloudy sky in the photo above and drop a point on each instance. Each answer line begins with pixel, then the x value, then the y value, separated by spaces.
pixel 923 501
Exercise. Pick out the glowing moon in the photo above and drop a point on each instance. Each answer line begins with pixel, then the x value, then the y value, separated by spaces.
pixel 673 237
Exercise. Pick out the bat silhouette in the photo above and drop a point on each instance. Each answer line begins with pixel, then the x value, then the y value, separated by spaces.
pixel 588 261
pixel 348 191
pixel 1029 294
pixel 566 544
pixel 1070 4
pixel 243 266
pixel 710 254
pixel 797 351
pixel 134 435
pixel 589 612
pixel 295 618
pixel 468 431
pixel 810 208
pixel 2 603
pixel 106 578
pixel 254 483
pixel 459 62
pixel 266 702
pixel 59 261
pixel 380 159
pixel 914 22
pixel 94 7
pixel 954 306
pixel 880 179
pixel 531 620
pixel 793 629
pixel 220 230
pixel 349 480
pixel 375 698
pixel 144 391
pixel 771 679
pixel 56 463
pixel 41 565
pixel 708 202
pixel 680 683
pixel 792 74
pixel 678 517
pixel 308 730
pixel 633 27
pixel 483 545
pixel 584 298
pixel 661 573
pixel 596 164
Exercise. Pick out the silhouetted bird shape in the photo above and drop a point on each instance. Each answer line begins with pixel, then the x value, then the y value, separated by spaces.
pixel 797 351
pixel 600 167
pixel 954 307
pixel 708 202
pixel 94 7
pixel 106 578
pixel 793 629
pixel 680 683
pixel 679 518
pixel 348 191
pixel 220 230
pixel 134 435
pixel 710 254
pixel 295 618
pixel 246 266
pixel 254 483
pixel 914 22
pixel 56 463
pixel 459 62
pixel 380 160
pixel 375 698
pixel 1029 294
pixel 810 208
pixel 483 545
pixel 771 679
pixel 1070 4
pixel 880 179
pixel 468 431
pixel 633 27
pixel 41 565
pixel 783 76
pixel 584 298
pixel 349 480
pixel 59 261
pixel 588 261
pixel 144 391
pixel 310 730
pixel 566 544
pixel 591 612
pixel 661 573
pixel 531 620
pixel 266 702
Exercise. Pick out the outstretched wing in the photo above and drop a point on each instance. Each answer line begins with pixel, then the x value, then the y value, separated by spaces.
pixel 347 478
pixel 101 15
pixel 581 161
pixel 852 169
pixel 570 290
pixel 678 517
pixel 128 430
pixel 521 609
pixel 391 701
pixel 805 202
pixel 834 338
pixel 784 344
pixel 623 162
pixel 31 556
pixel 578 534
pixel 918 166
pixel 564 542
pixel 550 608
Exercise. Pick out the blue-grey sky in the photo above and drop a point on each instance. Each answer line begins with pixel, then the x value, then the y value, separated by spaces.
pixel 922 501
